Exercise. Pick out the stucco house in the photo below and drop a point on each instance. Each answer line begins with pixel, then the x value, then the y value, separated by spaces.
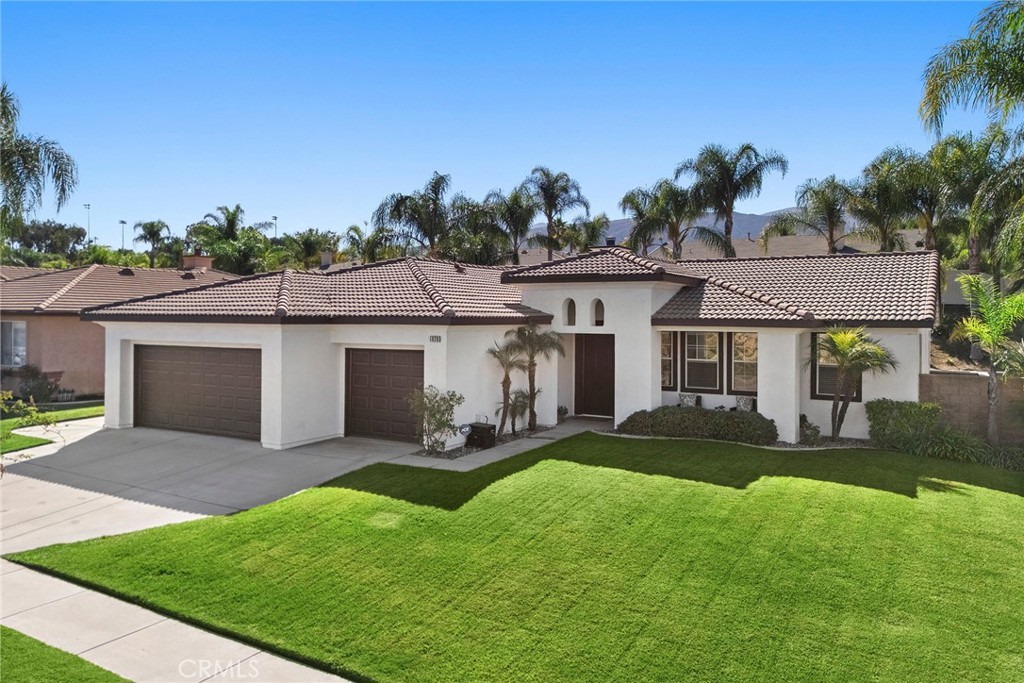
pixel 291 357
pixel 40 310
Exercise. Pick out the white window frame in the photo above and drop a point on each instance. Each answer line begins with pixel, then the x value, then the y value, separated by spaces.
pixel 687 386
pixel 7 328
pixel 732 364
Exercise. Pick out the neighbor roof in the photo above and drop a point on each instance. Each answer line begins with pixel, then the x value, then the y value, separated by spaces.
pixel 881 289
pixel 407 290
pixel 606 264
pixel 789 245
pixel 18 272
pixel 69 291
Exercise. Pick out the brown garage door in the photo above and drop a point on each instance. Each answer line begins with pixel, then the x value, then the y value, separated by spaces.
pixel 378 383
pixel 198 389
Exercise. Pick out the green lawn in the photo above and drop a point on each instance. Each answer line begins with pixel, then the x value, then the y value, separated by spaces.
pixel 26 660
pixel 15 442
pixel 598 558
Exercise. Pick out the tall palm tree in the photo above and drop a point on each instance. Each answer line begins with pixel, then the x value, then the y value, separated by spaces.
pixel 821 209
pixel 984 69
pixel 227 221
pixel 533 343
pixel 725 176
pixel 853 353
pixel 423 216
pixel 152 233
pixel 27 163
pixel 555 193
pixel 988 187
pixel 990 326
pixel 882 203
pixel 638 205
pixel 584 233
pixel 516 213
pixel 368 246
pixel 511 360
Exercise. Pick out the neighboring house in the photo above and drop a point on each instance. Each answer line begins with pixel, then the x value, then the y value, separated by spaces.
pixel 289 358
pixel 40 316
pixel 18 272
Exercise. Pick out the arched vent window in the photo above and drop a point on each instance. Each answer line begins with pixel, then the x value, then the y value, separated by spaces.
pixel 570 312
pixel 598 313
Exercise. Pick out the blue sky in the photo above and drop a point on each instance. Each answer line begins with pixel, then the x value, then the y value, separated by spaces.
pixel 315 112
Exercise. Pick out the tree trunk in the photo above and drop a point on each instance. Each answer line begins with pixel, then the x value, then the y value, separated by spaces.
pixel 551 238
pixel 677 242
pixel 728 230
pixel 506 386
pixel 831 237
pixel 842 414
pixel 532 373
pixel 974 254
pixel 835 412
pixel 993 404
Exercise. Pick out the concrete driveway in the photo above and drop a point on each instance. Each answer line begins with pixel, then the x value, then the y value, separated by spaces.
pixel 114 481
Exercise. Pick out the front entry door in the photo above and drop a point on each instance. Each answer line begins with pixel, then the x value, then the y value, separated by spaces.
pixel 595 374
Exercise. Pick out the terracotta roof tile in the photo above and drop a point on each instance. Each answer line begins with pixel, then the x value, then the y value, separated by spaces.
pixel 69 291
pixel 400 290
pixel 887 288
pixel 18 272
pixel 609 264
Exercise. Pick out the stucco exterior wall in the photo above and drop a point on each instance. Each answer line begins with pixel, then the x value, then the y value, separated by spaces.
pixel 964 400
pixel 65 344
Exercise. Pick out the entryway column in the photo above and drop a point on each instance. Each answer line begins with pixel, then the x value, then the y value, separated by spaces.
pixel 778 380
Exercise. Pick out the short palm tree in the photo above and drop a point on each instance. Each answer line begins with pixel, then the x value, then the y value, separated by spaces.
pixel 27 163
pixel 881 202
pixel 227 221
pixel 991 325
pixel 533 343
pixel 516 213
pixel 821 209
pixel 725 176
pixel 510 360
pixel 584 233
pixel 853 353
pixel 555 193
pixel 152 233
pixel 519 405
pixel 423 216
pixel 369 246
pixel 985 69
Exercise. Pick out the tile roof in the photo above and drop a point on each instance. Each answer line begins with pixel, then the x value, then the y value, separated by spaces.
pixel 605 264
pixel 69 291
pixel 789 245
pixel 880 289
pixel 407 290
pixel 18 272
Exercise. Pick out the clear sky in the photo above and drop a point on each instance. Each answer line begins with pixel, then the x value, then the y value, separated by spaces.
pixel 315 112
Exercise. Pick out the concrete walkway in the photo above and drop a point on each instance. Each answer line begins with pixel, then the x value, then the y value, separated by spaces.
pixel 133 642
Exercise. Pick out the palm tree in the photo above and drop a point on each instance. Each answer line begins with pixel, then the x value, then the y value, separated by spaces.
pixel 368 247
pixel 985 69
pixel 584 233
pixel 882 203
pixel 531 342
pixel 307 245
pixel 227 221
pixel 423 215
pixel 821 210
pixel 555 193
pixel 510 360
pixel 27 163
pixel 638 205
pixel 519 405
pixel 516 214
pixel 990 326
pixel 151 233
pixel 853 353
pixel 725 176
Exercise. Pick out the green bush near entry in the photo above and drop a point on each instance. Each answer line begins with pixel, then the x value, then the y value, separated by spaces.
pixel 698 423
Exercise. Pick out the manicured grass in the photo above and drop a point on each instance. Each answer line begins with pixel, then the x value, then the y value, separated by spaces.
pixel 598 558
pixel 15 442
pixel 26 660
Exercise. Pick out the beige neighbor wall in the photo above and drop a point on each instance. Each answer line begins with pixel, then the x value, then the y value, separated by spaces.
pixel 67 345
pixel 964 400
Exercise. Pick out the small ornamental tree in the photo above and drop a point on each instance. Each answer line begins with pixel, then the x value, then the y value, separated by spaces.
pixel 434 411
pixel 510 360
pixel 533 343
pixel 853 353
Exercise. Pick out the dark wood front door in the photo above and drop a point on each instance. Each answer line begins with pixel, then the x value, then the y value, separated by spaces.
pixel 595 374
pixel 198 389
pixel 378 382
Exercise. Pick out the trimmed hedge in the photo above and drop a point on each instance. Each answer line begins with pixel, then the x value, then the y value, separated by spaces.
pixel 698 423
pixel 917 428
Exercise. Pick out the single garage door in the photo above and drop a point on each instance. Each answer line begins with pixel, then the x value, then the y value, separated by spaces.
pixel 198 389
pixel 378 382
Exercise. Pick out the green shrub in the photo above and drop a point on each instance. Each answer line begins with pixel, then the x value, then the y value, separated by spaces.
pixel 1004 457
pixel 434 411
pixel 810 433
pixel 899 425
pixel 945 442
pixel 697 423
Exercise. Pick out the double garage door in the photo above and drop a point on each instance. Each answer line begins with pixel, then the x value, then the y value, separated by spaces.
pixel 198 389
pixel 217 390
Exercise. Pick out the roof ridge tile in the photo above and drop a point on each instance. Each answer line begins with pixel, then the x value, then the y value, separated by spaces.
pixel 284 293
pixel 439 301
pixel 763 298
pixel 67 287
pixel 635 258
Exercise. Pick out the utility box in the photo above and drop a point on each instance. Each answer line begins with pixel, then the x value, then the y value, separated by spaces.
pixel 481 435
